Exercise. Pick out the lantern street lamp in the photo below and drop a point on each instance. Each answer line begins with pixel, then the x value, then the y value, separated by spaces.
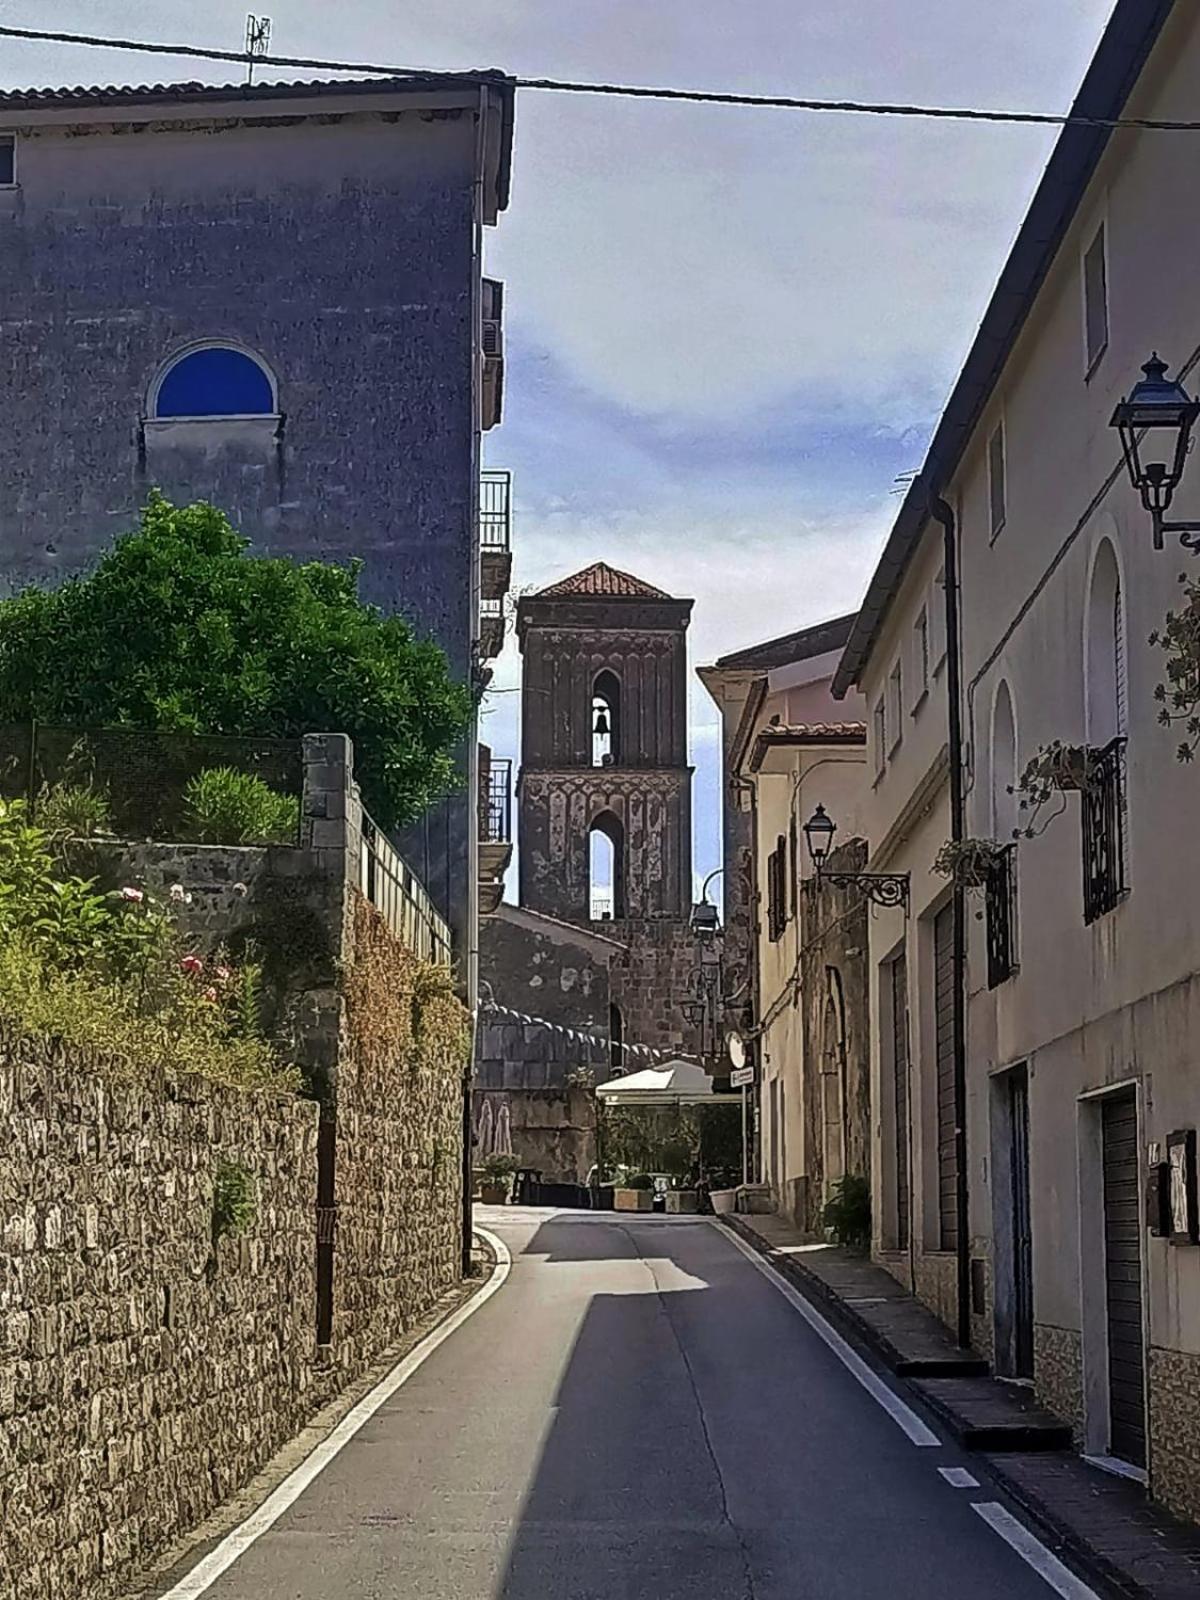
pixel 1155 423
pixel 884 888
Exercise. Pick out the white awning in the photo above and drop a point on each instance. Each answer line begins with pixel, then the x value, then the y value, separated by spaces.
pixel 675 1083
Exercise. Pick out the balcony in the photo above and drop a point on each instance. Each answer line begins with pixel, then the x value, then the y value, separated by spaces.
pixel 495 828
pixel 1000 894
pixel 491 629
pixel 1104 885
pixel 495 533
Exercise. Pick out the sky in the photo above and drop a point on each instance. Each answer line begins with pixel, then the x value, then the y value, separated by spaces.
pixel 728 330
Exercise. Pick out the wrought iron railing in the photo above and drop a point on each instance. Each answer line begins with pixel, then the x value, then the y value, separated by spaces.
pixel 1000 893
pixel 396 892
pixel 495 509
pixel 498 817
pixel 1104 831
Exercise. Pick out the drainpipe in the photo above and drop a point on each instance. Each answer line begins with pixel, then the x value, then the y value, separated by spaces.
pixel 941 512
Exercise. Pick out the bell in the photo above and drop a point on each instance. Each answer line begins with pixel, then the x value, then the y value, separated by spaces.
pixel 601 723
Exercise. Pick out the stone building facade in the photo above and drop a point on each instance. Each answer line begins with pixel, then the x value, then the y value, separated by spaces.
pixel 269 297
pixel 604 752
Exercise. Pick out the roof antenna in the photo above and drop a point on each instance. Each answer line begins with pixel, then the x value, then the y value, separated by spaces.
pixel 258 42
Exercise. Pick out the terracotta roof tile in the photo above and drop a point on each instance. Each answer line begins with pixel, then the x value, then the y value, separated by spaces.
pixel 601 581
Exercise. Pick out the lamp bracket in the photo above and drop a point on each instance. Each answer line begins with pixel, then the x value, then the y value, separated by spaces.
pixel 884 888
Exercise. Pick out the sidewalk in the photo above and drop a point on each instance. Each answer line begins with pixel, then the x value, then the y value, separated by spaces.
pixel 1106 1524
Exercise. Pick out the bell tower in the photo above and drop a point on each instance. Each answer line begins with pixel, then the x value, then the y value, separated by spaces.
pixel 604 759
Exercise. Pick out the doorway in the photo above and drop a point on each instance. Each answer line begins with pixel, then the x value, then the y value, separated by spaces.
pixel 1012 1223
pixel 1123 1280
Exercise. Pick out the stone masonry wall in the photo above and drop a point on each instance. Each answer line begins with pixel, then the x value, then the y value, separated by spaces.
pixel 398 1154
pixel 144 1373
pixel 1058 1373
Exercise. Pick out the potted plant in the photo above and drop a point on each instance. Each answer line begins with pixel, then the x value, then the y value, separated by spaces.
pixel 497 1176
pixel 846 1214
pixel 682 1201
pixel 1059 766
pixel 968 862
pixel 635 1193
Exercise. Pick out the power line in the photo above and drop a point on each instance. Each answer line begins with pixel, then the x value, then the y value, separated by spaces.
pixel 868 108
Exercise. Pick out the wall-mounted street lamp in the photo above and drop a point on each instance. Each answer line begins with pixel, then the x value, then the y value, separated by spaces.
pixel 884 888
pixel 1155 423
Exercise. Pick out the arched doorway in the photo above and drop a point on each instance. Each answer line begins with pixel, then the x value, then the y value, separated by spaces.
pixel 606 868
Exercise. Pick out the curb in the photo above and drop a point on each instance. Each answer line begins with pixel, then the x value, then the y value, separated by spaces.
pixel 1113 1584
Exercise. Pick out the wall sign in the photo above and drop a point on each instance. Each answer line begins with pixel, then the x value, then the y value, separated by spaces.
pixel 1181 1162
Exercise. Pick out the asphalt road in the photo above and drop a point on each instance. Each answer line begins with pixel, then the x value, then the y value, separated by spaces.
pixel 637 1414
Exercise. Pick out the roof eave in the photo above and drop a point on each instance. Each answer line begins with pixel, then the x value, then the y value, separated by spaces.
pixel 1130 36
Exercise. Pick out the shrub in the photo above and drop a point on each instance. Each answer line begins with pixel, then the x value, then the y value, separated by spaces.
pixel 235 1199
pixel 74 811
pixel 180 628
pixel 847 1212
pixel 639 1180
pixel 498 1168
pixel 226 806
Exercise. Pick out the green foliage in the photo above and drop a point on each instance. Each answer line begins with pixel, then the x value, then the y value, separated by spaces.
pixel 847 1212
pixel 652 1138
pixel 967 862
pixel 179 628
pixel 235 1199
pixel 225 806
pixel 498 1168
pixel 640 1181
pixel 74 811
pixel 1178 696
pixel 721 1141
pixel 110 973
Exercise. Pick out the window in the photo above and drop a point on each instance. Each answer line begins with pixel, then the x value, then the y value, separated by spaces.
pixel 606 714
pixel 793 868
pixel 937 621
pixel 214 381
pixel 1104 800
pixel 997 489
pixel 879 735
pixel 895 708
pixel 8 161
pixel 777 890
pixel 1095 300
pixel 606 867
pixel 920 657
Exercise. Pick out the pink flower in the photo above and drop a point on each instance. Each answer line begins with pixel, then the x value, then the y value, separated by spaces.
pixel 130 893
pixel 224 974
pixel 192 965
pixel 210 994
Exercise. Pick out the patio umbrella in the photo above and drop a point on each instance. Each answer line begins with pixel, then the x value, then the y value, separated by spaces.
pixel 674 1083
pixel 502 1141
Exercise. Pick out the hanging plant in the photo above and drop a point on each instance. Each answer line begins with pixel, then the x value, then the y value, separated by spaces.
pixel 968 862
pixel 1179 695
pixel 1057 770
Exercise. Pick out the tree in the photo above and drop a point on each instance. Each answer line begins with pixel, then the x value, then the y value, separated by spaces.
pixel 179 628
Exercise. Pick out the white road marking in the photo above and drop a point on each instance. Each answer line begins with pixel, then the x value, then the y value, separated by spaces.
pixel 959 1478
pixel 1031 1550
pixel 236 1543
pixel 902 1415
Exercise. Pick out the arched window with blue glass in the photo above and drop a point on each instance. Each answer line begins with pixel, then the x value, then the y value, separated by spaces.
pixel 214 380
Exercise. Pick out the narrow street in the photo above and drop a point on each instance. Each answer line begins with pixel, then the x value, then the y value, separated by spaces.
pixel 638 1414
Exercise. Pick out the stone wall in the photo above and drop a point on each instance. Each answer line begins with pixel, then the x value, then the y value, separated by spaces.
pixel 398 1153
pixel 650 981
pixel 1174 1385
pixel 145 1373
pixel 1058 1373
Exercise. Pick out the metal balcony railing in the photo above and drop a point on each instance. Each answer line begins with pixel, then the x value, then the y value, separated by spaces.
pixel 498 815
pixel 394 889
pixel 1001 916
pixel 1104 831
pixel 495 509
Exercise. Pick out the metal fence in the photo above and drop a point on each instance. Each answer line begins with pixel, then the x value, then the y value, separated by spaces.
pixel 498 817
pixel 495 509
pixel 137 780
pixel 396 892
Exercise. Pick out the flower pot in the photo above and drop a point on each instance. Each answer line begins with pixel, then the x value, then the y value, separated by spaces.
pixel 633 1199
pixel 494 1194
pixel 723 1201
pixel 682 1200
